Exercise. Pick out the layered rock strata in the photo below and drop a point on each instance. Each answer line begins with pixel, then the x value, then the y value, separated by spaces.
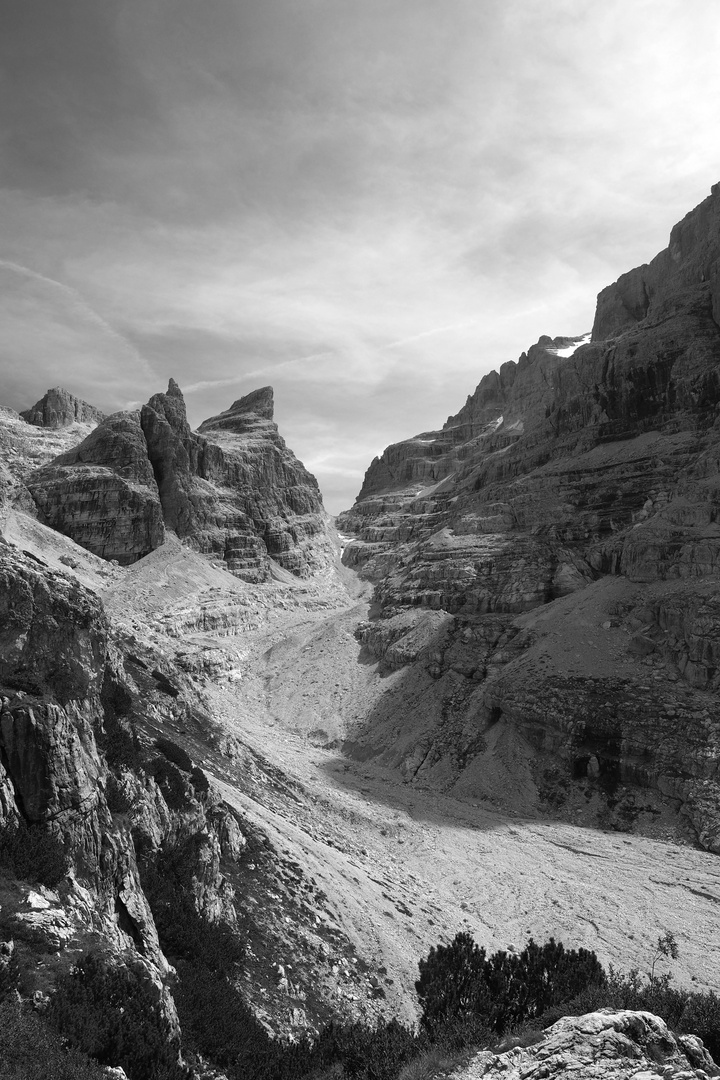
pixel 587 458
pixel 233 491
pixel 58 409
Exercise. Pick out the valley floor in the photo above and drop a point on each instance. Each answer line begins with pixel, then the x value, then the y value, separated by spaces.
pixel 398 867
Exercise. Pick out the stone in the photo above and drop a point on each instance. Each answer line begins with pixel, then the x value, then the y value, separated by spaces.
pixel 617 1045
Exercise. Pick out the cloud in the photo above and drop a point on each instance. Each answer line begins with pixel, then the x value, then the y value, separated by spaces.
pixel 51 336
pixel 366 205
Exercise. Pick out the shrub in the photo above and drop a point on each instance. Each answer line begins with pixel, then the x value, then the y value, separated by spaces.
pixel 701 1017
pixel 452 983
pixel 30 1049
pixel 9 969
pixel 174 753
pixel 114 1015
pixel 33 853
pixel 116 797
pixel 199 781
pixel 365 1053
pixel 217 1023
pixel 185 934
pixel 458 982
pixel 120 743
pixel 171 782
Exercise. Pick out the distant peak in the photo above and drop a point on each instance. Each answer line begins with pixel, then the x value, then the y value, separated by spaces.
pixel 248 413
pixel 59 408
pixel 173 389
pixel 261 402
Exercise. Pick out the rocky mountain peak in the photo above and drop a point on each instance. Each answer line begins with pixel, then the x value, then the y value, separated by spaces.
pixel 247 414
pixel 233 490
pixel 261 402
pixel 58 409
pixel 689 267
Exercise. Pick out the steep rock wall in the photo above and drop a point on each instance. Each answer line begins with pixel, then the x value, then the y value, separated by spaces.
pixel 587 458
pixel 233 491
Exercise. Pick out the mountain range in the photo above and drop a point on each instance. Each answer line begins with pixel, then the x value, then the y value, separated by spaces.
pixel 509 680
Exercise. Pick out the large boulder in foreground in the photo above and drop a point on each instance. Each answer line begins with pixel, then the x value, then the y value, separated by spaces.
pixel 615 1045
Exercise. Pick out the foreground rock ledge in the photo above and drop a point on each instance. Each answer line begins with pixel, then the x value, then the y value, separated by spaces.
pixel 610 1044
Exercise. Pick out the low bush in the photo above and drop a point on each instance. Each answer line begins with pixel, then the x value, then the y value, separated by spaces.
pixel 9 969
pixel 30 1049
pixel 33 853
pixel 114 1015
pixel 116 796
pixel 120 744
pixel 199 781
pixel 458 982
pixel 171 782
pixel 174 753
pixel 184 933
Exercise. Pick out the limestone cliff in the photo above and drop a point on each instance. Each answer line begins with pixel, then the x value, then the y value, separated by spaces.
pixel 585 459
pixel 233 491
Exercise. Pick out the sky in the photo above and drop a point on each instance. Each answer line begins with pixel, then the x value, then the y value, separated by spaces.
pixel 367 204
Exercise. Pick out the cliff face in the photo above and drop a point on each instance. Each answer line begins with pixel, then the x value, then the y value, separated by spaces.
pixel 588 460
pixel 59 409
pixel 234 492
pixel 85 714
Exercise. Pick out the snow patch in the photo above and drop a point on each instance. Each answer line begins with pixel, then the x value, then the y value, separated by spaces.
pixel 568 350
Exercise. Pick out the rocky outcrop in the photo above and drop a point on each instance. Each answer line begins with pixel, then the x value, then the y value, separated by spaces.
pixel 58 409
pixel 686 269
pixel 54 651
pixel 586 459
pixel 103 492
pixel 233 491
pixel 617 1045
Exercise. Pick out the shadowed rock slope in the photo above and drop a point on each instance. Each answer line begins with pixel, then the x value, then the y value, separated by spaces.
pixel 234 492
pixel 581 486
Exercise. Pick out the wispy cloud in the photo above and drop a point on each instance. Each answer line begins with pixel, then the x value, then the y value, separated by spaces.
pixel 366 205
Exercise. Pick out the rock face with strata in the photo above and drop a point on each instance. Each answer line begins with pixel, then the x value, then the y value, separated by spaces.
pixel 617 1045
pixel 233 491
pixel 54 652
pixel 586 463
pixel 103 493
pixel 58 409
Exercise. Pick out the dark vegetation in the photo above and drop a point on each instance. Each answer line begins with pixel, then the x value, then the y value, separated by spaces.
pixel 459 982
pixel 30 1049
pixel 33 853
pixel 114 1015
pixel 174 753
